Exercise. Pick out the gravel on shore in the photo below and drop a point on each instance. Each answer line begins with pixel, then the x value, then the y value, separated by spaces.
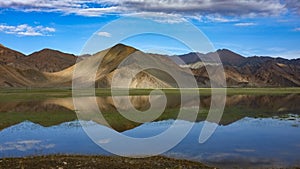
pixel 97 162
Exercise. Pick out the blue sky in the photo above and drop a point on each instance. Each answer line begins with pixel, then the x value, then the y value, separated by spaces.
pixel 252 27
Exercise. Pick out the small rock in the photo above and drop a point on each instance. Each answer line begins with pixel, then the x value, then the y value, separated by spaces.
pixel 60 168
pixel 65 163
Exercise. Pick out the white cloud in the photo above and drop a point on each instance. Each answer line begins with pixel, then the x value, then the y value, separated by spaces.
pixel 78 7
pixel 25 145
pixel 297 29
pixel 104 34
pixel 161 17
pixel 183 7
pixel 245 24
pixel 161 10
pixel 191 7
pixel 92 12
pixel 26 30
pixel 219 18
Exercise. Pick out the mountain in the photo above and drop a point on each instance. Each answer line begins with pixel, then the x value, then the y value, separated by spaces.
pixel 51 68
pixel 113 64
pixel 269 74
pixel 12 77
pixel 46 60
pixel 226 56
pixel 245 71
pixel 122 62
pixel 9 56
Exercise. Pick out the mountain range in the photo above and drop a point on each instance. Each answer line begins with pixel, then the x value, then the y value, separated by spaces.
pixel 256 71
pixel 52 68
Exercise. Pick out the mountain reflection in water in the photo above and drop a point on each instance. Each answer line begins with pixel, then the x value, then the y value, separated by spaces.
pixel 255 131
pixel 54 111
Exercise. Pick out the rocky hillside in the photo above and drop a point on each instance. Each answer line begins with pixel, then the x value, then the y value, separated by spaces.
pixel 9 56
pixel 113 64
pixel 46 60
pixel 50 68
pixel 246 71
pixel 12 77
pixel 18 75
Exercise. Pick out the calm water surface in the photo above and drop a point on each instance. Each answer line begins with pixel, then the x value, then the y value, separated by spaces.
pixel 256 131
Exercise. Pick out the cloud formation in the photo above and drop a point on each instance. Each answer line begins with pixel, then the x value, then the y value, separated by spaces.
pixel 191 8
pixel 26 30
pixel 25 145
pixel 245 24
pixel 104 34
pixel 218 18
pixel 293 5
pixel 297 29
pixel 161 17
pixel 78 7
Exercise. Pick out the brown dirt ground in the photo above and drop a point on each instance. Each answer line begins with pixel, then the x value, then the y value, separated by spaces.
pixel 97 162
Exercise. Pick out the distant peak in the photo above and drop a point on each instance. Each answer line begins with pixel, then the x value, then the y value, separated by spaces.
pixel 121 46
pixel 47 49
pixel 225 50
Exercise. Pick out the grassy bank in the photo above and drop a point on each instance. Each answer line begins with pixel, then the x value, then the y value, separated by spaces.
pixel 67 92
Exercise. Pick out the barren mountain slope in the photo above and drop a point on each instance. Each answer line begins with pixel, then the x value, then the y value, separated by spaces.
pixel 46 60
pixel 9 56
pixel 49 68
pixel 119 61
pixel 12 77
pixel 248 71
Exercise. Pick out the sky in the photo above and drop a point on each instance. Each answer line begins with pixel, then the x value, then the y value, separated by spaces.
pixel 248 27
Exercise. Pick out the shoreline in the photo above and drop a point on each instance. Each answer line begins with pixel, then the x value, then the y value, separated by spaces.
pixel 99 162
pixel 67 92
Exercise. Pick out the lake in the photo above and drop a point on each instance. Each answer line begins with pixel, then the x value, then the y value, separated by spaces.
pixel 255 130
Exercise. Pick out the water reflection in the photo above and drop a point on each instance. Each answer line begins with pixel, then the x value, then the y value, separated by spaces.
pixel 28 138
pixel 255 131
pixel 278 103
pixel 248 142
pixel 54 111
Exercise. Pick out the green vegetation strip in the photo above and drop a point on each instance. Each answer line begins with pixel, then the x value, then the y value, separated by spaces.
pixel 43 118
pixel 39 93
